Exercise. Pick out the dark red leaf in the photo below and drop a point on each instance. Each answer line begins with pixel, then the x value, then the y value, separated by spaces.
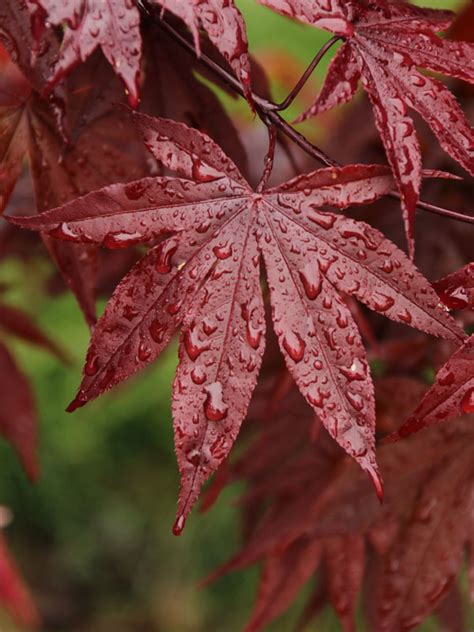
pixel 224 26
pixel 28 129
pixel 18 323
pixel 282 578
pixel 425 560
pixel 171 90
pixel 457 289
pixel 14 595
pixel 17 38
pixel 418 536
pixel 114 26
pixel 385 43
pixel 206 279
pixel 18 423
pixel 451 395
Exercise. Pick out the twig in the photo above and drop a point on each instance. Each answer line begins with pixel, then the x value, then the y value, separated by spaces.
pixel 306 75
pixel 268 163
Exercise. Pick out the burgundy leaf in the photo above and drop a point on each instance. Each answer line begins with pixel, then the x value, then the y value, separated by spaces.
pixel 18 423
pixel 457 289
pixel 28 128
pixel 282 578
pixel 451 395
pixel 345 562
pixel 450 612
pixel 224 26
pixel 418 535
pixel 14 595
pixel 425 560
pixel 206 279
pixel 327 14
pixel 171 90
pixel 17 37
pixel 112 25
pixel 18 323
pixel 385 43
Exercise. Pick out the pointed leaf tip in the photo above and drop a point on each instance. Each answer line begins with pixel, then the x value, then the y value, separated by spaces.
pixel 74 405
pixel 179 525
pixel 377 482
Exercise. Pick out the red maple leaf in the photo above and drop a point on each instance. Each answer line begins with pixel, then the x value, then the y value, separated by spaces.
pixel 384 44
pixel 451 395
pixel 14 594
pixel 457 289
pixel 18 419
pixel 206 279
pixel 225 28
pixel 114 25
pixel 28 129
pixel 323 534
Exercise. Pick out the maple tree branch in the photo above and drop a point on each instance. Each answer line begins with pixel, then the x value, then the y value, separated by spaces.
pixel 278 107
pixel 268 111
pixel 268 162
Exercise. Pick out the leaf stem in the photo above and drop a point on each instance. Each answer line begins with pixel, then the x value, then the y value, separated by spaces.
pixel 268 111
pixel 279 107
pixel 269 158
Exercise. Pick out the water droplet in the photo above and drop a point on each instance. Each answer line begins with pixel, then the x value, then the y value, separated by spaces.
pixel 92 365
pixel 311 280
pixel 64 232
pixel 144 351
pixel 382 302
pixel 198 375
pixel 223 252
pixel 455 298
pixel 215 408
pixel 253 335
pixel 446 379
pixel 361 236
pixel 405 317
pixel 208 327
pixel 324 220
pixel 355 400
pixel 202 172
pixel 316 396
pixel 157 331
pixel 294 345
pixel 179 525
pixel 165 253
pixel 121 239
pixel 218 449
pixel 357 370
pixel 135 190
pixel 467 402
pixel 194 347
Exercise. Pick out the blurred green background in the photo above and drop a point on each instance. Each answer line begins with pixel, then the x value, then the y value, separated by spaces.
pixel 94 535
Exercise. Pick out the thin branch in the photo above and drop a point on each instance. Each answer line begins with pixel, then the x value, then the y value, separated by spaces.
pixel 269 114
pixel 268 163
pixel 279 107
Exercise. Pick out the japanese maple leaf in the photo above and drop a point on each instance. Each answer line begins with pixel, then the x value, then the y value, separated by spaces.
pixel 285 573
pixel 457 289
pixel 428 551
pixel 114 25
pixel 14 595
pixel 18 418
pixel 417 537
pixel 28 129
pixel 451 395
pixel 384 44
pixel 224 26
pixel 206 278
